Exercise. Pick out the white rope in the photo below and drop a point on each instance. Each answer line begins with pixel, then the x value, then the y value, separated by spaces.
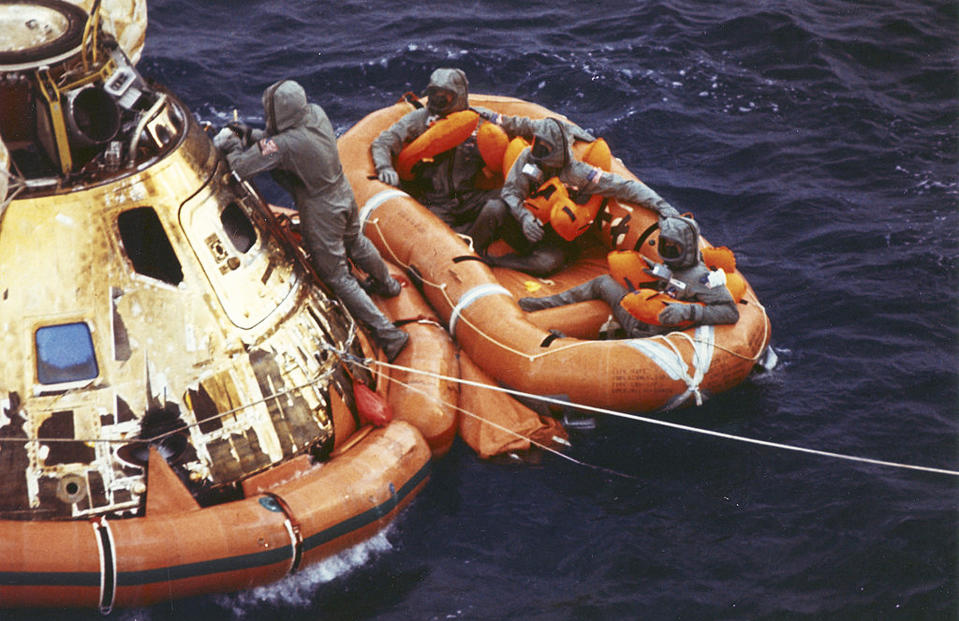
pixel 506 430
pixel 653 421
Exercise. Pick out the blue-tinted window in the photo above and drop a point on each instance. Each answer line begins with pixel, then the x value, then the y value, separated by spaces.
pixel 65 353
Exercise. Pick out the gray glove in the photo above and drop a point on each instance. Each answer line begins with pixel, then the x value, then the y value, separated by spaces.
pixel 578 133
pixel 675 314
pixel 532 229
pixel 227 141
pixel 389 176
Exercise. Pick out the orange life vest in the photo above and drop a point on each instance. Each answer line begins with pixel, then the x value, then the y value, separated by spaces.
pixel 552 203
pixel 627 266
pixel 443 135
pixel 492 141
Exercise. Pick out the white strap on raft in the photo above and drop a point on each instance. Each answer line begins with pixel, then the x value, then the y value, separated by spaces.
pixel 376 200
pixel 669 359
pixel 477 292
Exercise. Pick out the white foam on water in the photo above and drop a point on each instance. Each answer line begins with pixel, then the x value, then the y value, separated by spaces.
pixel 297 590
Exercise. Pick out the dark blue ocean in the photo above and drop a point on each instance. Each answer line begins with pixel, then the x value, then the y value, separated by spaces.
pixel 818 140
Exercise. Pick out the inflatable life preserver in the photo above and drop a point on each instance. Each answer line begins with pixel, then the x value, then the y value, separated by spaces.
pixel 551 202
pixel 443 135
pixel 492 141
pixel 628 268
pixel 646 305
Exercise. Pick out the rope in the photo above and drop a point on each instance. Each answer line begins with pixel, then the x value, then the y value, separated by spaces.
pixel 516 393
pixel 708 432
pixel 532 357
pixel 507 430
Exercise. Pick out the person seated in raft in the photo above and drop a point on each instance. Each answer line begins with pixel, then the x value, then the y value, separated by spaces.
pixel 679 249
pixel 446 184
pixel 298 146
pixel 540 251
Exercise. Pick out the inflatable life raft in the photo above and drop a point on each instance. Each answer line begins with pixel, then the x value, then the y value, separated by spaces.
pixel 556 352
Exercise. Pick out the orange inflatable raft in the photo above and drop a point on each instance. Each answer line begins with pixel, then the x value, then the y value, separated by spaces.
pixel 555 352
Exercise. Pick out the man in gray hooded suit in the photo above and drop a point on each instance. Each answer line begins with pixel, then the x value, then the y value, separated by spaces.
pixel 540 250
pixel 299 148
pixel 446 185
pixel 679 249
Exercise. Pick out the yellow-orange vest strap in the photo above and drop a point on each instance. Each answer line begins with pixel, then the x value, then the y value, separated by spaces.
pixel 443 135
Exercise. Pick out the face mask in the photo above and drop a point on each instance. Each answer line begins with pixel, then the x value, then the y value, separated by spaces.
pixel 440 101
pixel 669 249
pixel 541 149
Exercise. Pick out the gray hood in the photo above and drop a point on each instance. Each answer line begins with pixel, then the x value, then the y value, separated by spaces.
pixel 284 106
pixel 685 232
pixel 553 132
pixel 453 80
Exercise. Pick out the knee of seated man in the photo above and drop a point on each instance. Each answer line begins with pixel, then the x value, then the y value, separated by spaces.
pixel 544 262
pixel 494 209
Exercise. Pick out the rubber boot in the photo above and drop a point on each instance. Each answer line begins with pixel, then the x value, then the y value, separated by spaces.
pixel 389 289
pixel 391 342
pixel 580 293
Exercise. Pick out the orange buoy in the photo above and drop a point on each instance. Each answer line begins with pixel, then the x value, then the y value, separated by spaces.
pixel 443 135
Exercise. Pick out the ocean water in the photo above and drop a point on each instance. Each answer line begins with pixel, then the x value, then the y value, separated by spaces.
pixel 818 140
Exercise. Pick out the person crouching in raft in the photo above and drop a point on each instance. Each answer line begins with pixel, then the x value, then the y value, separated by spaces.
pixel 446 182
pixel 299 148
pixel 540 250
pixel 690 281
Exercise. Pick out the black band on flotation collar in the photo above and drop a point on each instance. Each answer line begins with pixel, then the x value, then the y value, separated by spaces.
pixel 415 277
pixel 469 257
pixel 642 238
pixel 553 335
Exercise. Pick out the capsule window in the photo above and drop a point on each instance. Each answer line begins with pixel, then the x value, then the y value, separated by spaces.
pixel 147 245
pixel 238 227
pixel 65 353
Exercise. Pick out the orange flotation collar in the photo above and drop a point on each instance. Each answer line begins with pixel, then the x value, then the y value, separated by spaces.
pixel 443 135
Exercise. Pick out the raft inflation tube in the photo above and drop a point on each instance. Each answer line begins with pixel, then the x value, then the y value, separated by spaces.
pixel 179 551
pixel 555 352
